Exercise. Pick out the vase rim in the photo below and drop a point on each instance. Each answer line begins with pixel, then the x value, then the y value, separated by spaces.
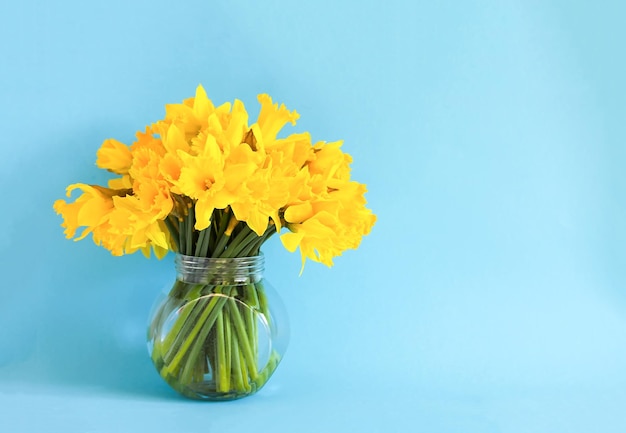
pixel 195 269
pixel 218 259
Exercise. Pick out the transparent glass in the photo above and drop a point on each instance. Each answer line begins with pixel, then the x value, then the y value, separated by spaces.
pixel 221 331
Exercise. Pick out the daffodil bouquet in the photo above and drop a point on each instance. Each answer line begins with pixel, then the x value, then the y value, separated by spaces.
pixel 204 183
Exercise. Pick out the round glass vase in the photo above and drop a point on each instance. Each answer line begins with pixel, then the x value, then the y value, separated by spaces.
pixel 221 331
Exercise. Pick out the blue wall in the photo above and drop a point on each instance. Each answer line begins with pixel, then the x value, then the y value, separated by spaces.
pixel 491 134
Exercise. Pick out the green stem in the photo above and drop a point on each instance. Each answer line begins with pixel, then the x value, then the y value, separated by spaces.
pixel 221 243
pixel 255 247
pixel 251 300
pixel 228 346
pixel 249 319
pixel 238 380
pixel 199 332
pixel 244 341
pixel 220 252
pixel 202 246
pixel 173 229
pixel 263 305
pixel 237 246
pixel 182 237
pixel 189 230
pixel 222 373
pixel 264 375
pixel 221 237
pixel 183 322
pixel 215 228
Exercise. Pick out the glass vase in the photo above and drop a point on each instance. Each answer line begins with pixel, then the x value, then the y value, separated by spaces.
pixel 221 331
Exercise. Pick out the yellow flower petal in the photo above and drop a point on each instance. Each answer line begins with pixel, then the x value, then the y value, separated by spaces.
pixel 291 241
pixel 298 213
pixel 202 105
pixel 114 156
pixel 272 118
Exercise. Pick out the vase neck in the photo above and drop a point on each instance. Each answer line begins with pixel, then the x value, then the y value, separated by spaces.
pixel 203 270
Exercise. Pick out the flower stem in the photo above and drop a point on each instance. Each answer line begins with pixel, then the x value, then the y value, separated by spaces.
pixel 222 237
pixel 204 239
pixel 244 342
pixel 241 241
pixel 191 219
pixel 222 374
pixel 199 332
pixel 228 346
pixel 173 229
pixel 179 329
pixel 239 366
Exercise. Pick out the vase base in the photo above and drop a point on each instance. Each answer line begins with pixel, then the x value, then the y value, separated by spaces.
pixel 206 392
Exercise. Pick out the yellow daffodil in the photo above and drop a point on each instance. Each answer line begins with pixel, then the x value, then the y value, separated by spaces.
pixel 89 210
pixel 114 156
pixel 200 163
pixel 272 117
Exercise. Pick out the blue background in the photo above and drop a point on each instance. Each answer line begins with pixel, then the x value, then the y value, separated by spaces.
pixel 490 296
